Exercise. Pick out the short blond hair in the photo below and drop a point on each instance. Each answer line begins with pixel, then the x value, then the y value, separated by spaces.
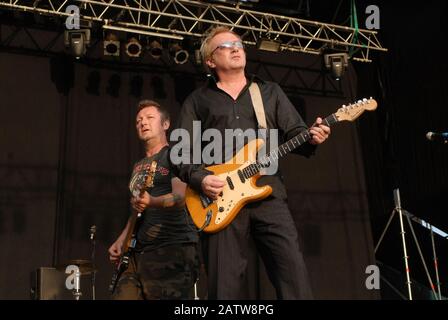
pixel 205 46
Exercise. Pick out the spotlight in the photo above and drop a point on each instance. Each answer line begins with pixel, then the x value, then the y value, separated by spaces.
pixel 268 45
pixel 336 63
pixel 133 48
pixel 78 41
pixel 111 45
pixel 155 49
pixel 180 55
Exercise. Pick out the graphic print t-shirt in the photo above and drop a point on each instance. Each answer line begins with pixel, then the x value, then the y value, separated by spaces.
pixel 162 226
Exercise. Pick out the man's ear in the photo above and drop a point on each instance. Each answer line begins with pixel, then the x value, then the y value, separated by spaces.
pixel 166 124
pixel 210 63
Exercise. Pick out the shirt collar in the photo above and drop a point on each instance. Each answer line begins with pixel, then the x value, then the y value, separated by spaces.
pixel 212 80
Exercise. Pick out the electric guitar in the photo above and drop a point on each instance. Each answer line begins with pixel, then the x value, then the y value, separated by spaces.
pixel 240 188
pixel 138 185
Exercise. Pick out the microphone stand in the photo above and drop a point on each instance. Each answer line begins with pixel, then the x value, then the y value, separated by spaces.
pixel 399 210
pixel 76 290
pixel 92 238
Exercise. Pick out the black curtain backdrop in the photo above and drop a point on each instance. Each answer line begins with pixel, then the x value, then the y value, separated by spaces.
pixel 410 83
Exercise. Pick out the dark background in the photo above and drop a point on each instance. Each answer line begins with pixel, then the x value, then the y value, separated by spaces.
pixel 68 144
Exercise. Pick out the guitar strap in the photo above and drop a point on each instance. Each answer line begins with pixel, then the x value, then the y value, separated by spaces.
pixel 257 102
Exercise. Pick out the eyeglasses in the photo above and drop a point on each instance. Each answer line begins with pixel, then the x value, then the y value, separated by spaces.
pixel 229 45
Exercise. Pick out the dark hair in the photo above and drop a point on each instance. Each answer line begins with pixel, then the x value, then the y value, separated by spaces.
pixel 164 114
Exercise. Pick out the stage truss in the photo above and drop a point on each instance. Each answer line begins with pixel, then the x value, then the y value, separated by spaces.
pixel 178 19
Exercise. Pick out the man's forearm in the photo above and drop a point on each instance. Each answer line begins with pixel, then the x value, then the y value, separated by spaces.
pixel 167 201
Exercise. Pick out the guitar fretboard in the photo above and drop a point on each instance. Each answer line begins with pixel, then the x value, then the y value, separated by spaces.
pixel 285 148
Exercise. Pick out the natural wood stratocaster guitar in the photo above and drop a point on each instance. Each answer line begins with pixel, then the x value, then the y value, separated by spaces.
pixel 138 185
pixel 240 189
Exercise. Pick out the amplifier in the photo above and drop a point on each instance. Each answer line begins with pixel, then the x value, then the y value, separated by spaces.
pixel 50 284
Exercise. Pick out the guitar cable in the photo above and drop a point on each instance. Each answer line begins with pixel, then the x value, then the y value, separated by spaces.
pixel 208 218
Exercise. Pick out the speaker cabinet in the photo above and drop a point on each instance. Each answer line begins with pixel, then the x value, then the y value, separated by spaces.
pixel 49 284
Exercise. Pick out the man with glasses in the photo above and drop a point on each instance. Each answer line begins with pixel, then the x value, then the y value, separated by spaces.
pixel 225 103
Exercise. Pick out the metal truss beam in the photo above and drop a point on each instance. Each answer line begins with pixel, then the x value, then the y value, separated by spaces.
pixel 186 18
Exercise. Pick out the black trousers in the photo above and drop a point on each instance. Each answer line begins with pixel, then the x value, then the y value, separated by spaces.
pixel 270 224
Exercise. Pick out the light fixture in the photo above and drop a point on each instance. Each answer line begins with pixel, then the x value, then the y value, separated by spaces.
pixel 268 45
pixel 111 45
pixel 78 41
pixel 133 48
pixel 155 49
pixel 179 54
pixel 337 63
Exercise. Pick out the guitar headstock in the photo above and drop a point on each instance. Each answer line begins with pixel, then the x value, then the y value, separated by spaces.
pixel 353 111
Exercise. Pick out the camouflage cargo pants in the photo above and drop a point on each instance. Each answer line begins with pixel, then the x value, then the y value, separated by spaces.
pixel 166 273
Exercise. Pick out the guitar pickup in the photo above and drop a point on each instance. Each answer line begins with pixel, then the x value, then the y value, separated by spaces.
pixel 206 201
pixel 230 183
pixel 241 175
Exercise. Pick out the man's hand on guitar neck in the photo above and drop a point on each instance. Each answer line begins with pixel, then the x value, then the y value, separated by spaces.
pixel 212 186
pixel 319 132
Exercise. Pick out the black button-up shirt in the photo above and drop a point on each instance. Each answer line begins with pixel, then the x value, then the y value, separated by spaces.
pixel 214 108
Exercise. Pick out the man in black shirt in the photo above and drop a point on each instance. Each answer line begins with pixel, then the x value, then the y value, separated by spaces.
pixel 164 263
pixel 225 103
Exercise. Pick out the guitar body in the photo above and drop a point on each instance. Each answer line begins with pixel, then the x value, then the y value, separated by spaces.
pixel 235 194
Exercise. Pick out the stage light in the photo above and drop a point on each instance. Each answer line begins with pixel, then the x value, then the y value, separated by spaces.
pixel 337 63
pixel 111 45
pixel 78 41
pixel 155 49
pixel 269 45
pixel 179 54
pixel 133 48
